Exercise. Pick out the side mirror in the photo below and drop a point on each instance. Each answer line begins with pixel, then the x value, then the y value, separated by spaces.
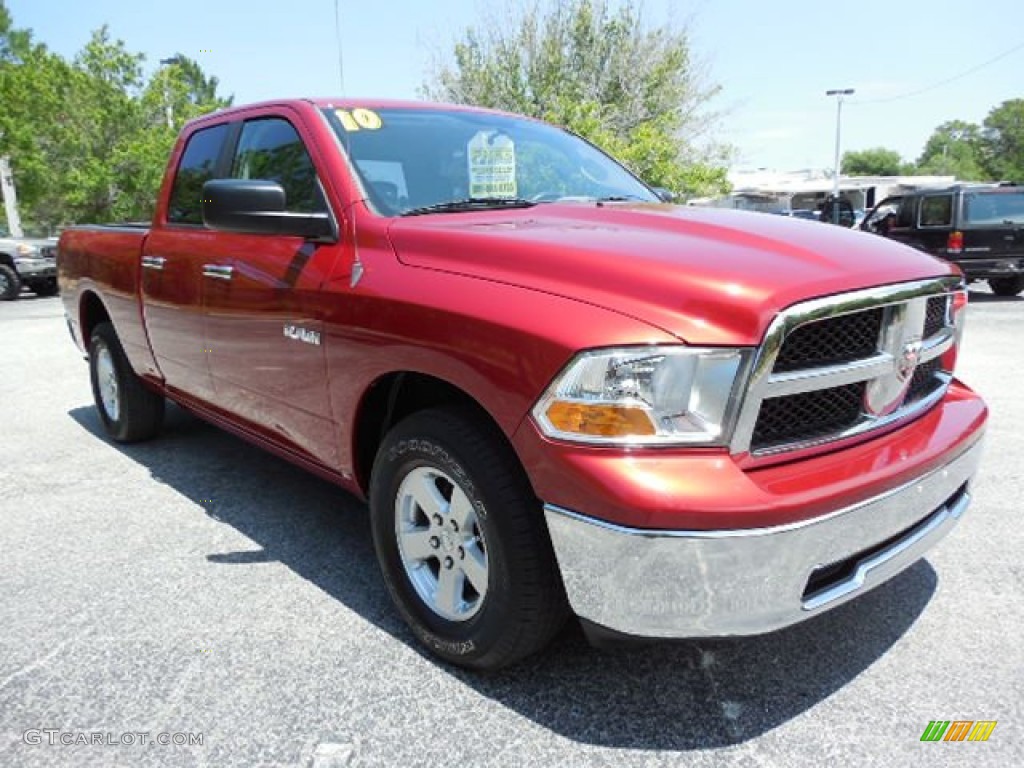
pixel 257 207
pixel 665 195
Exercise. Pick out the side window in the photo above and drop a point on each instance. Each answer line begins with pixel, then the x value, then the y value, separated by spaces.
pixel 937 211
pixel 271 149
pixel 905 216
pixel 196 167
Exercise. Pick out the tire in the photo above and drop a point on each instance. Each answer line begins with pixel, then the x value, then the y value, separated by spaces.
pixel 10 283
pixel 45 288
pixel 129 411
pixel 1006 286
pixel 478 584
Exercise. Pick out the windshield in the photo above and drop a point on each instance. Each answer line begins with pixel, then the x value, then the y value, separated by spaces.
pixel 995 208
pixel 432 160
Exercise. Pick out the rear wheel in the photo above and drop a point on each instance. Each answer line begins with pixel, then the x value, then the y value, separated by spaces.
pixel 128 410
pixel 10 283
pixel 1006 286
pixel 461 541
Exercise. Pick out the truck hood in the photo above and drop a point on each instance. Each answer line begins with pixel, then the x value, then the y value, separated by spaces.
pixel 708 276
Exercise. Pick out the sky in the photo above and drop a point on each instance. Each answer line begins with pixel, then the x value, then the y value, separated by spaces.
pixel 773 60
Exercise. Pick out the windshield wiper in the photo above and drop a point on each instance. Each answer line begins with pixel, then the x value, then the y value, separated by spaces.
pixel 621 199
pixel 471 204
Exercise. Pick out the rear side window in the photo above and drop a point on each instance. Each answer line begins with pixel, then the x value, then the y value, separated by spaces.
pixel 271 149
pixel 197 166
pixel 994 208
pixel 937 211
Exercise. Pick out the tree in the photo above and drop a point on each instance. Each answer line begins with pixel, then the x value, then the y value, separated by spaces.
pixel 1001 146
pixel 878 161
pixel 632 89
pixel 952 149
pixel 88 139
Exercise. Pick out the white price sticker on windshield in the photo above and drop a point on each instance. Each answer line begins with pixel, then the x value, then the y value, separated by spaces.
pixel 492 165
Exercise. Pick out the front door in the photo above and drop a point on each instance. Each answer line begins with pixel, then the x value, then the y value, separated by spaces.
pixel 263 304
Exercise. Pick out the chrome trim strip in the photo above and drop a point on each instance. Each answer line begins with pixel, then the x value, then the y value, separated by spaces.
pixel 902 298
pixel 826 377
pixel 937 345
pixel 939 519
pixel 218 271
pixel 153 262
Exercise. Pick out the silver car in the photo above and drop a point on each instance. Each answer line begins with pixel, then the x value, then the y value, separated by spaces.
pixel 27 262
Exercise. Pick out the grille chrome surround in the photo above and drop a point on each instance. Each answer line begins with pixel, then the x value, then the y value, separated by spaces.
pixel 916 329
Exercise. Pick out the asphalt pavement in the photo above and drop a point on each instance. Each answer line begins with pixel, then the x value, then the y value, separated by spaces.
pixel 199 591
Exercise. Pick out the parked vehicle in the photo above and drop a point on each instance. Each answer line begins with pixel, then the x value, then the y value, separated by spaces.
pixel 799 213
pixel 558 393
pixel 838 210
pixel 978 227
pixel 27 262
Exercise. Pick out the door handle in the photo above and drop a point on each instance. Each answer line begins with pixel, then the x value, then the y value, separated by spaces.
pixel 153 262
pixel 218 271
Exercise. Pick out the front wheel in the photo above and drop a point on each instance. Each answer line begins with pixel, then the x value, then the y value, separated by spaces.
pixel 1007 286
pixel 461 541
pixel 10 283
pixel 128 410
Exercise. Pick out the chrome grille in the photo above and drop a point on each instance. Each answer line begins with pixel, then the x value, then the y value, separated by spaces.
pixel 843 366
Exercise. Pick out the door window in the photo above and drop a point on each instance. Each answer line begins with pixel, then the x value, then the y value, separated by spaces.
pixel 271 149
pixel 197 166
pixel 937 211
pixel 905 216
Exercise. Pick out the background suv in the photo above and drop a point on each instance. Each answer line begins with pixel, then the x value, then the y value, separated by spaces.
pixel 978 227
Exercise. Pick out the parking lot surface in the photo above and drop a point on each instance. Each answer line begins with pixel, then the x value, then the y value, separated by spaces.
pixel 197 589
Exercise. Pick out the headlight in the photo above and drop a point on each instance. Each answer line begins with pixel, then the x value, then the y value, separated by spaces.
pixel 645 396
pixel 24 249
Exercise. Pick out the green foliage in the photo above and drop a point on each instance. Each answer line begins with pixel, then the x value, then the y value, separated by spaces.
pixel 631 89
pixel 953 150
pixel 88 139
pixel 877 161
pixel 1001 144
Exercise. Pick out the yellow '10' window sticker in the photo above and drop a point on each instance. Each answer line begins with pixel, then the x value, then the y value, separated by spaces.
pixel 359 119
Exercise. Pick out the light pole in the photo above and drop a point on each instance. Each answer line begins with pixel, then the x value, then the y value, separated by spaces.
pixel 838 93
pixel 168 108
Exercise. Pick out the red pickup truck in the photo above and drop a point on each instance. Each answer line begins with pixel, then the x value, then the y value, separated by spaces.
pixel 558 393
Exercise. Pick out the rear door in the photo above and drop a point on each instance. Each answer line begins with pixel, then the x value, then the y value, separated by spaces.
pixel 993 223
pixel 172 268
pixel 934 222
pixel 264 307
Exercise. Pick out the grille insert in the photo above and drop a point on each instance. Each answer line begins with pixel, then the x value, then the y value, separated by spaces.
pixel 809 415
pixel 831 341
pixel 935 315
pixel 924 381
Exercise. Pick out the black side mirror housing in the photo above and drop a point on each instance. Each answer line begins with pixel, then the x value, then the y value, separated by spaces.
pixel 257 207
pixel 665 195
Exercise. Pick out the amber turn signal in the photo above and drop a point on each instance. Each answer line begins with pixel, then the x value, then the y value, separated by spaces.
pixel 600 420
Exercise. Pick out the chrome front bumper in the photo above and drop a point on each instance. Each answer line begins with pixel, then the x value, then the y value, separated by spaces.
pixel 749 581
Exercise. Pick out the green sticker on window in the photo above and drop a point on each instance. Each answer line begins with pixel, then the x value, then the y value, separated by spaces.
pixel 492 165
